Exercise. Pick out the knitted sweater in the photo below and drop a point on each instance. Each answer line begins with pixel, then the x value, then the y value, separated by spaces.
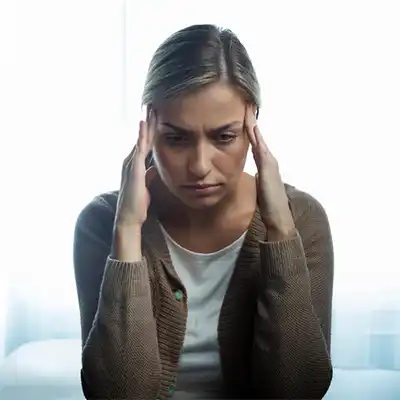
pixel 274 326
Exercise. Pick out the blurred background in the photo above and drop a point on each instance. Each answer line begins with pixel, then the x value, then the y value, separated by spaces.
pixel 71 77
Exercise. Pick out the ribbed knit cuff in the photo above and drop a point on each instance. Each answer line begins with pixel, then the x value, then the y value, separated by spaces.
pixel 283 258
pixel 124 280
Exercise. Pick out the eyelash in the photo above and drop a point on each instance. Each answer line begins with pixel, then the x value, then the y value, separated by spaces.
pixel 171 139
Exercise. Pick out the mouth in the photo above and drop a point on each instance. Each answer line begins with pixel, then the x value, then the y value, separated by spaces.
pixel 202 188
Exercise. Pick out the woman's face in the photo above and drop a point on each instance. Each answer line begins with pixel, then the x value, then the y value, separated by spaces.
pixel 200 145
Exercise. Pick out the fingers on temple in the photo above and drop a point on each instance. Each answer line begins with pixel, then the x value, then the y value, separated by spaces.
pixel 250 123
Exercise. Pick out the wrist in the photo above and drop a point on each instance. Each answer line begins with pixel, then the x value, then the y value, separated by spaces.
pixel 280 234
pixel 279 230
pixel 127 243
pixel 124 229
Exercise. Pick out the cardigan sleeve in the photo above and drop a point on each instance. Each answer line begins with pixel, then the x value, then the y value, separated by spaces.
pixel 291 358
pixel 119 338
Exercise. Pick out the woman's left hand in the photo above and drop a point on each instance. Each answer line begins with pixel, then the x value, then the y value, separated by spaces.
pixel 272 199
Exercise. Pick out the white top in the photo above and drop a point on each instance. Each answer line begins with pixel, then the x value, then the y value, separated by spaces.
pixel 206 278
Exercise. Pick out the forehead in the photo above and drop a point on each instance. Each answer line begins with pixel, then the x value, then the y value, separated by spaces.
pixel 214 105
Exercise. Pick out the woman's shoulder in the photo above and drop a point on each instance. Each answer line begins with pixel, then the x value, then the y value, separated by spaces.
pixel 97 217
pixel 305 206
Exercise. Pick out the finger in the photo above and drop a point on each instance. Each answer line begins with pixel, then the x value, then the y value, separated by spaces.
pixel 142 139
pixel 140 151
pixel 129 157
pixel 260 140
pixel 249 127
pixel 136 163
pixel 152 125
pixel 147 118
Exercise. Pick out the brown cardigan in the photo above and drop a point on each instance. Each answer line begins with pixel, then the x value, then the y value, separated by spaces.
pixel 275 321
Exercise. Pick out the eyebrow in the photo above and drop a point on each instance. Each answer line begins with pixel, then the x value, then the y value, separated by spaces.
pixel 234 124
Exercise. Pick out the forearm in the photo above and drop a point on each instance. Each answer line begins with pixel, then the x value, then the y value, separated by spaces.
pixel 127 243
pixel 291 358
pixel 123 340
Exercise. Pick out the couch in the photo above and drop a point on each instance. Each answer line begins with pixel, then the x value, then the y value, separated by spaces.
pixel 45 365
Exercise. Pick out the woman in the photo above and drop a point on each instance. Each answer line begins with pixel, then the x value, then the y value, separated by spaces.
pixel 196 279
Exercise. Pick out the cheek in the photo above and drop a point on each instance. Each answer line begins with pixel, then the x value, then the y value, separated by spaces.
pixel 240 150
pixel 167 164
pixel 233 159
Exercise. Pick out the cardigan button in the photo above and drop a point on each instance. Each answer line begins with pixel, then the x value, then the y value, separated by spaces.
pixel 172 389
pixel 178 295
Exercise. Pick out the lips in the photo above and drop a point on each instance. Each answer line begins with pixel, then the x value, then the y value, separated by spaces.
pixel 202 189
pixel 201 186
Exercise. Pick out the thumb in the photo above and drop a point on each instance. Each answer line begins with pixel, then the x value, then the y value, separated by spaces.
pixel 150 174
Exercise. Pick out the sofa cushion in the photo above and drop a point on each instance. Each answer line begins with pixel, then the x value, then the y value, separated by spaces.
pixel 368 384
pixel 49 368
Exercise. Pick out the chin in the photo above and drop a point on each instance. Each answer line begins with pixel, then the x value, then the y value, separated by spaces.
pixel 201 202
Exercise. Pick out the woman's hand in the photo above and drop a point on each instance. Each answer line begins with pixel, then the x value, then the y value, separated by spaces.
pixel 134 197
pixel 272 199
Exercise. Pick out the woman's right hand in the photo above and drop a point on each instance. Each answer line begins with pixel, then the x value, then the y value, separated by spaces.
pixel 134 197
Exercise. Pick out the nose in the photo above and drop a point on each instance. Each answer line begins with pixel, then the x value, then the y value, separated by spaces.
pixel 199 164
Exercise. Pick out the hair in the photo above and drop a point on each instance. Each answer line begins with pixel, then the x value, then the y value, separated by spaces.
pixel 194 57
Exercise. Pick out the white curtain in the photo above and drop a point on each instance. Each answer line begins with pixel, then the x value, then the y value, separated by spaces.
pixel 71 78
